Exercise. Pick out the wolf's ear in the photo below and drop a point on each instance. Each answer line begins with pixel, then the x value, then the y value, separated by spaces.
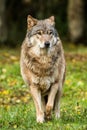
pixel 52 20
pixel 31 22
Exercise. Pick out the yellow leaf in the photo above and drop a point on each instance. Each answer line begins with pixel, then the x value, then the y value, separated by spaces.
pixel 5 92
pixel 12 83
pixel 14 58
pixel 7 107
pixel 67 82
pixel 15 126
pixel 4 70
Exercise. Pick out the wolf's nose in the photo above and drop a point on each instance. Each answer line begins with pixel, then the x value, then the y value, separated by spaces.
pixel 47 44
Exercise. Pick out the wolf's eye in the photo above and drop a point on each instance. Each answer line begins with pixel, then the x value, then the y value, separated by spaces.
pixel 40 32
pixel 50 32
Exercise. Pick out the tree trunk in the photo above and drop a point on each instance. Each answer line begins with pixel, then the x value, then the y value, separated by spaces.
pixel 75 20
pixel 3 27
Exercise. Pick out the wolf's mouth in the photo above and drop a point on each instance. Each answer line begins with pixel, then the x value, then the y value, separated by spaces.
pixel 44 51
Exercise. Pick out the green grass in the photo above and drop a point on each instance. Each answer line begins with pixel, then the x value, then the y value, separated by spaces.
pixel 17 111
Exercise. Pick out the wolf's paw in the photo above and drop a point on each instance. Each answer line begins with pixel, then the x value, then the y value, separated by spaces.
pixel 57 115
pixel 48 117
pixel 48 112
pixel 40 119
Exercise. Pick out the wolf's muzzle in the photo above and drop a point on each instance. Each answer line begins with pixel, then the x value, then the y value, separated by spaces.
pixel 47 44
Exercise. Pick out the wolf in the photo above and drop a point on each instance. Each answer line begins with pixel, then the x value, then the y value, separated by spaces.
pixel 42 66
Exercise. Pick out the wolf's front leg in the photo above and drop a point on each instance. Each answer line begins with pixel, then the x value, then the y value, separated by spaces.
pixel 36 94
pixel 51 99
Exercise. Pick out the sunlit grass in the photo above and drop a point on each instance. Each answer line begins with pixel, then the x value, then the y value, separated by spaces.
pixel 17 111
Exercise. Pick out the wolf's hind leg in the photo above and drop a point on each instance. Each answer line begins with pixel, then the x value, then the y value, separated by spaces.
pixel 51 99
pixel 57 104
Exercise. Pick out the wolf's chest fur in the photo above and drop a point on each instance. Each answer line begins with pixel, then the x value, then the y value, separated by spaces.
pixel 43 70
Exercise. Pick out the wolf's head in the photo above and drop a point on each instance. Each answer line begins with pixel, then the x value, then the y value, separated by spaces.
pixel 41 34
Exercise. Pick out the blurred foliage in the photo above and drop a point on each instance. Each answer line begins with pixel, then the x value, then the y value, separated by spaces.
pixel 17 11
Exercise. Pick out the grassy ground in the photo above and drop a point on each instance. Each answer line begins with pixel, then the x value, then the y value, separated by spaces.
pixel 17 111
